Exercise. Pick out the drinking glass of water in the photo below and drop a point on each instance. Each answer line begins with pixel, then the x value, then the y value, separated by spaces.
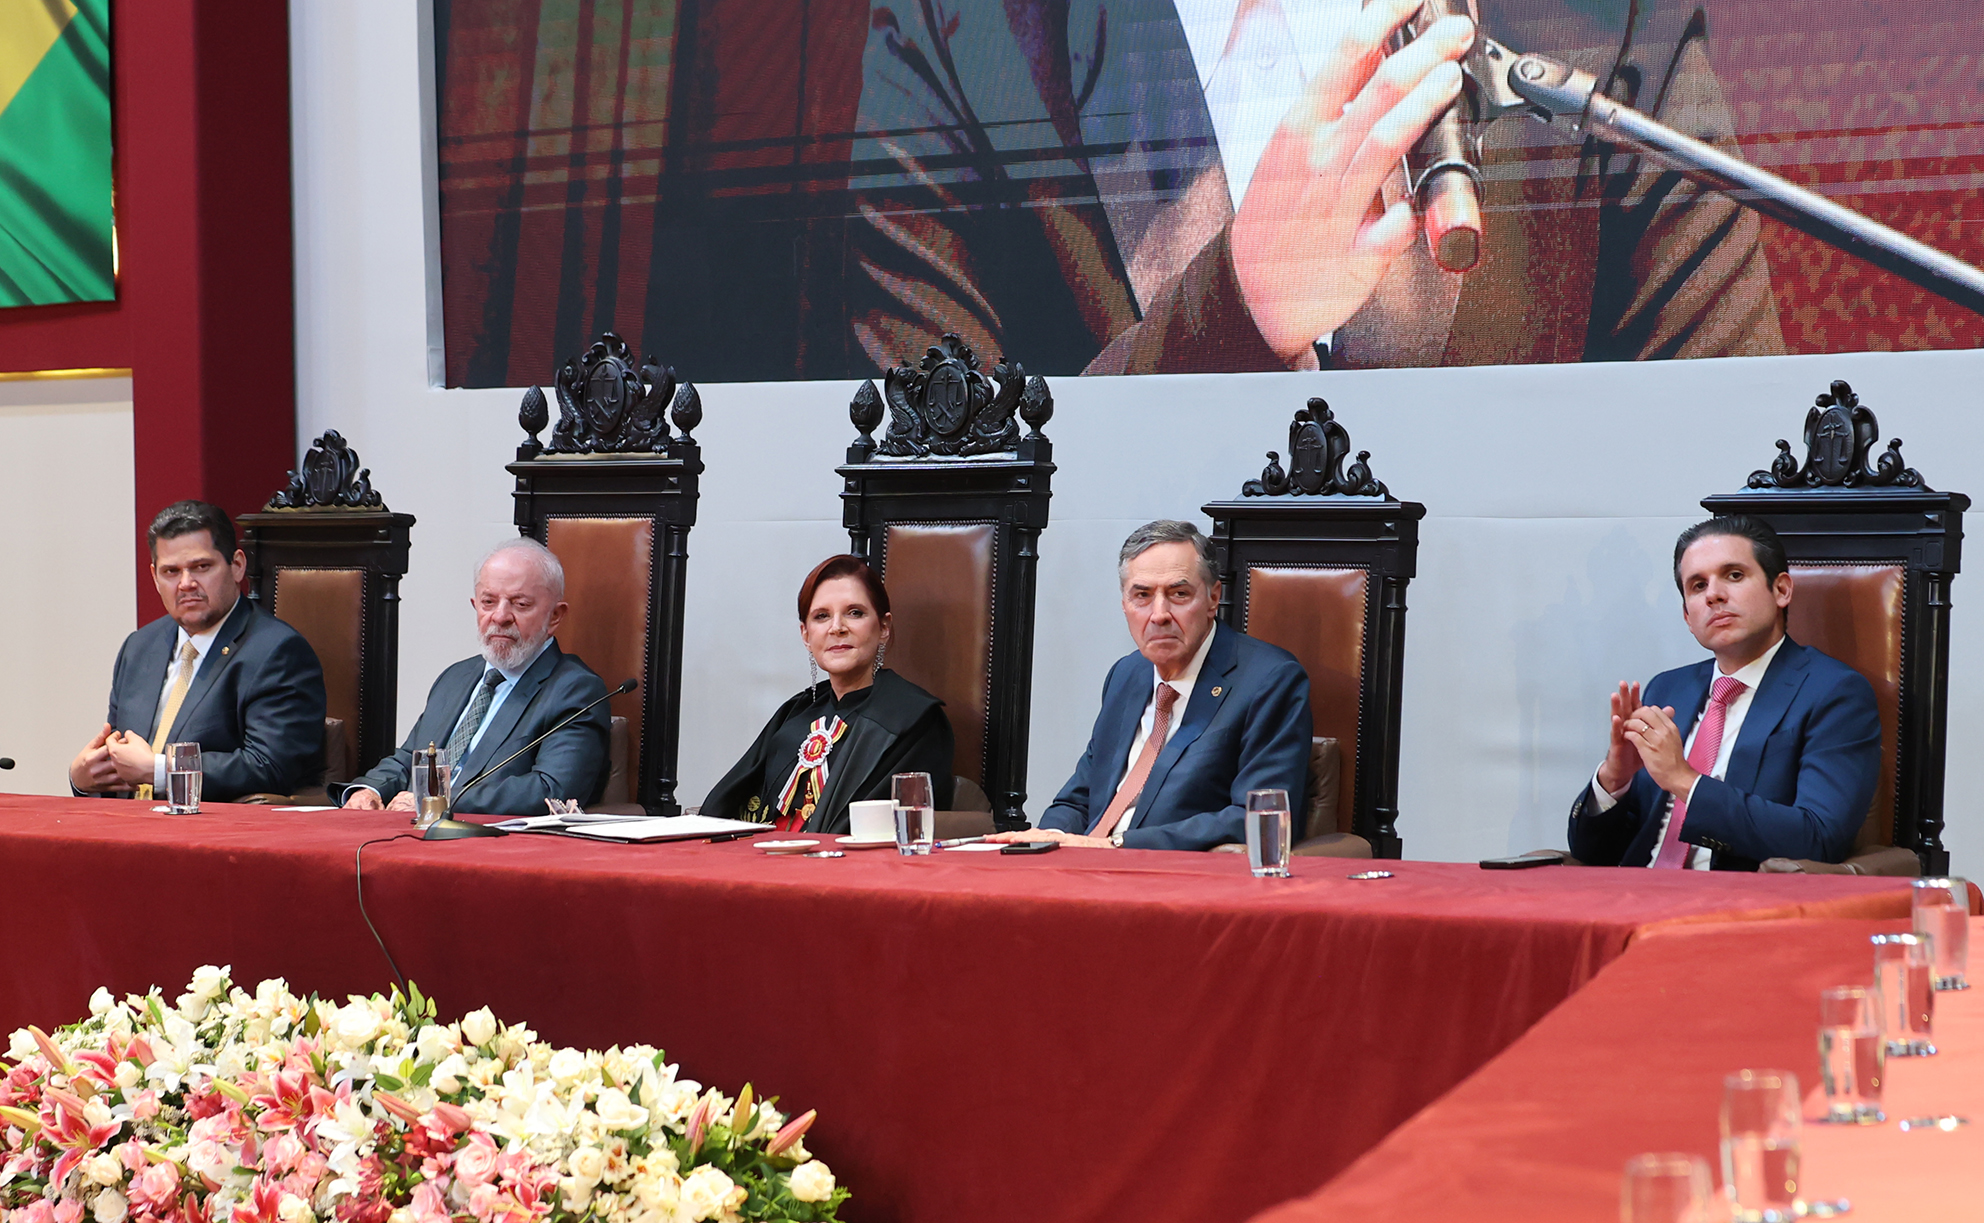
pixel 182 778
pixel 1665 1187
pixel 1852 1055
pixel 1942 911
pixel 1761 1129
pixel 916 829
pixel 1269 827
pixel 1904 978
pixel 430 782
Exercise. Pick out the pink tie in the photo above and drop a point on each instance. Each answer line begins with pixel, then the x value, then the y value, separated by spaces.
pixel 1133 781
pixel 1701 758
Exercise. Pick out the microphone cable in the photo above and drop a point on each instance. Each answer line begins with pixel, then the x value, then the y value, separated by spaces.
pixel 358 877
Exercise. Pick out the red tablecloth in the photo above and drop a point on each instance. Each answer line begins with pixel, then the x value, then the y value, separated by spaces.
pixel 1635 1062
pixel 1083 1035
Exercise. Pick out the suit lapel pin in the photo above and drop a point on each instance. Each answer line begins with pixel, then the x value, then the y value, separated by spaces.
pixel 226 650
pixel 1215 689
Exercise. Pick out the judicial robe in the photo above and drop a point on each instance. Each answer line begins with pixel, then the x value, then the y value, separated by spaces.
pixel 893 727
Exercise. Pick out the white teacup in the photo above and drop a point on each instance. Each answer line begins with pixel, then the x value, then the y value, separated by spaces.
pixel 874 820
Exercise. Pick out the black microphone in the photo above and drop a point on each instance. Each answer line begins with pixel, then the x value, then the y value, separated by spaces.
pixel 452 829
pixel 6 762
pixel 1445 166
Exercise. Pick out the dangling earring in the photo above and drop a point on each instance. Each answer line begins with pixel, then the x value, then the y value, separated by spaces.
pixel 880 650
pixel 814 663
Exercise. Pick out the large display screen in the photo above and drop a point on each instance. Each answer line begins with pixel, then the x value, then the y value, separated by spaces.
pixel 791 189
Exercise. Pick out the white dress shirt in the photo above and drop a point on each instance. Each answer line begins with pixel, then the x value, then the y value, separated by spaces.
pixel 1183 687
pixel 201 645
pixel 1749 675
pixel 1254 59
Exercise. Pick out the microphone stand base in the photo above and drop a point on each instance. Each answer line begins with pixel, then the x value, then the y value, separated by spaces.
pixel 455 830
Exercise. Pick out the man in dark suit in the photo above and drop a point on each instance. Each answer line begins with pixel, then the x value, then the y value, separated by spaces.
pixel 1164 186
pixel 1197 717
pixel 486 708
pixel 214 670
pixel 1775 750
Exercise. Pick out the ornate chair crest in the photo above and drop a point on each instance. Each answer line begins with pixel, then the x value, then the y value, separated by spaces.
pixel 1840 433
pixel 1317 448
pixel 947 406
pixel 328 478
pixel 607 406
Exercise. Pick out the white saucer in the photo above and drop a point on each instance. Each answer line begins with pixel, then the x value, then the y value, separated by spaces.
pixel 788 847
pixel 858 843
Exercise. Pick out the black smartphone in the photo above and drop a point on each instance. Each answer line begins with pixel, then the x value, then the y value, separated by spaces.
pixel 1521 862
pixel 1030 847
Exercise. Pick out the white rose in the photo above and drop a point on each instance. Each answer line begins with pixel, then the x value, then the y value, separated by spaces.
pixel 656 1187
pixel 127 1076
pixel 479 1027
pixel 96 1112
pixel 103 1169
pixel 101 1001
pixel 676 1101
pixel 355 1024
pixel 566 1065
pixel 812 1182
pixel 209 982
pixel 587 1164
pixel 706 1193
pixel 434 1043
pixel 111 1207
pixel 294 1209
pixel 617 1112
pixel 448 1072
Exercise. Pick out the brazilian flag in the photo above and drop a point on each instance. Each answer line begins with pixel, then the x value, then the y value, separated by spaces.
pixel 55 232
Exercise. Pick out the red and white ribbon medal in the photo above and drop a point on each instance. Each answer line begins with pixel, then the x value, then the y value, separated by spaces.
pixel 811 767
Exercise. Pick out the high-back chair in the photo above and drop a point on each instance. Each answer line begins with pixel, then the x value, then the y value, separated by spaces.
pixel 1315 559
pixel 1873 551
pixel 613 494
pixel 326 557
pixel 948 507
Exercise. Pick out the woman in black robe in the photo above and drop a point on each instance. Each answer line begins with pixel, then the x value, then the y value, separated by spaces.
pixel 839 741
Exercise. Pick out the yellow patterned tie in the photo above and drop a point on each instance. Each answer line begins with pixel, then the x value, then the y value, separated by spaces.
pixel 181 680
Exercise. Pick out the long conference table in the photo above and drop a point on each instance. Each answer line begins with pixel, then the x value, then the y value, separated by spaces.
pixel 1075 1036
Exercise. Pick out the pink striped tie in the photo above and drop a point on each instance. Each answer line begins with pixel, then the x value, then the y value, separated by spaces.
pixel 1701 758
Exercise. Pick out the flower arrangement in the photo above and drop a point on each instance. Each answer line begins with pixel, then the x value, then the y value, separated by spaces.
pixel 231 1107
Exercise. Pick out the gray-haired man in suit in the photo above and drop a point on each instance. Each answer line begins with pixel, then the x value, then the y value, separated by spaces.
pixel 484 709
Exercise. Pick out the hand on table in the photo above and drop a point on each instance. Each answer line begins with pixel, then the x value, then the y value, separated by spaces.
pixel 92 769
pixel 1313 236
pixel 133 758
pixel 1050 834
pixel 403 801
pixel 1622 758
pixel 1651 729
pixel 362 798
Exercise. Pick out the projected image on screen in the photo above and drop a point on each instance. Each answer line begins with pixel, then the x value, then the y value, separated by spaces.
pixel 780 189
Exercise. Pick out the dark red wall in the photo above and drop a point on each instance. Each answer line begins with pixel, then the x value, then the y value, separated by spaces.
pixel 204 318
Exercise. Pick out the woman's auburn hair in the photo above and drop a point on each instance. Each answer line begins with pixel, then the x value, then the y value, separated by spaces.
pixel 843 566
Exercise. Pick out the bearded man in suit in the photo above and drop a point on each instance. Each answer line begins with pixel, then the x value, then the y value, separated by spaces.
pixel 214 670
pixel 1148 186
pixel 488 709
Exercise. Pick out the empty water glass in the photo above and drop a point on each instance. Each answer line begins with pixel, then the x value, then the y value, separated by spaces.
pixel 1665 1187
pixel 1903 977
pixel 1852 1055
pixel 182 778
pixel 1269 829
pixel 1942 911
pixel 1761 1131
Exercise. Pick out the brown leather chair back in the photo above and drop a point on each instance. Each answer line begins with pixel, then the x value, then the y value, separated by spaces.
pixel 327 606
pixel 1317 613
pixel 1854 612
pixel 940 578
pixel 608 570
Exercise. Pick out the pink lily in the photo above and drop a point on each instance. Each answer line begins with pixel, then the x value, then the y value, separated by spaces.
pixel 76 1138
pixel 796 1128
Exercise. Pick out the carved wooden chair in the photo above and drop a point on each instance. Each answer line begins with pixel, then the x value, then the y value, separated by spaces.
pixel 1873 551
pixel 326 557
pixel 1315 559
pixel 614 495
pixel 948 507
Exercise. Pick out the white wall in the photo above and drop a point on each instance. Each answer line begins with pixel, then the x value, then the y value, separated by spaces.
pixel 66 482
pixel 1553 492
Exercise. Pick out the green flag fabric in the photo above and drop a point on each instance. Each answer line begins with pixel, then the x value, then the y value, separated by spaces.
pixel 55 189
